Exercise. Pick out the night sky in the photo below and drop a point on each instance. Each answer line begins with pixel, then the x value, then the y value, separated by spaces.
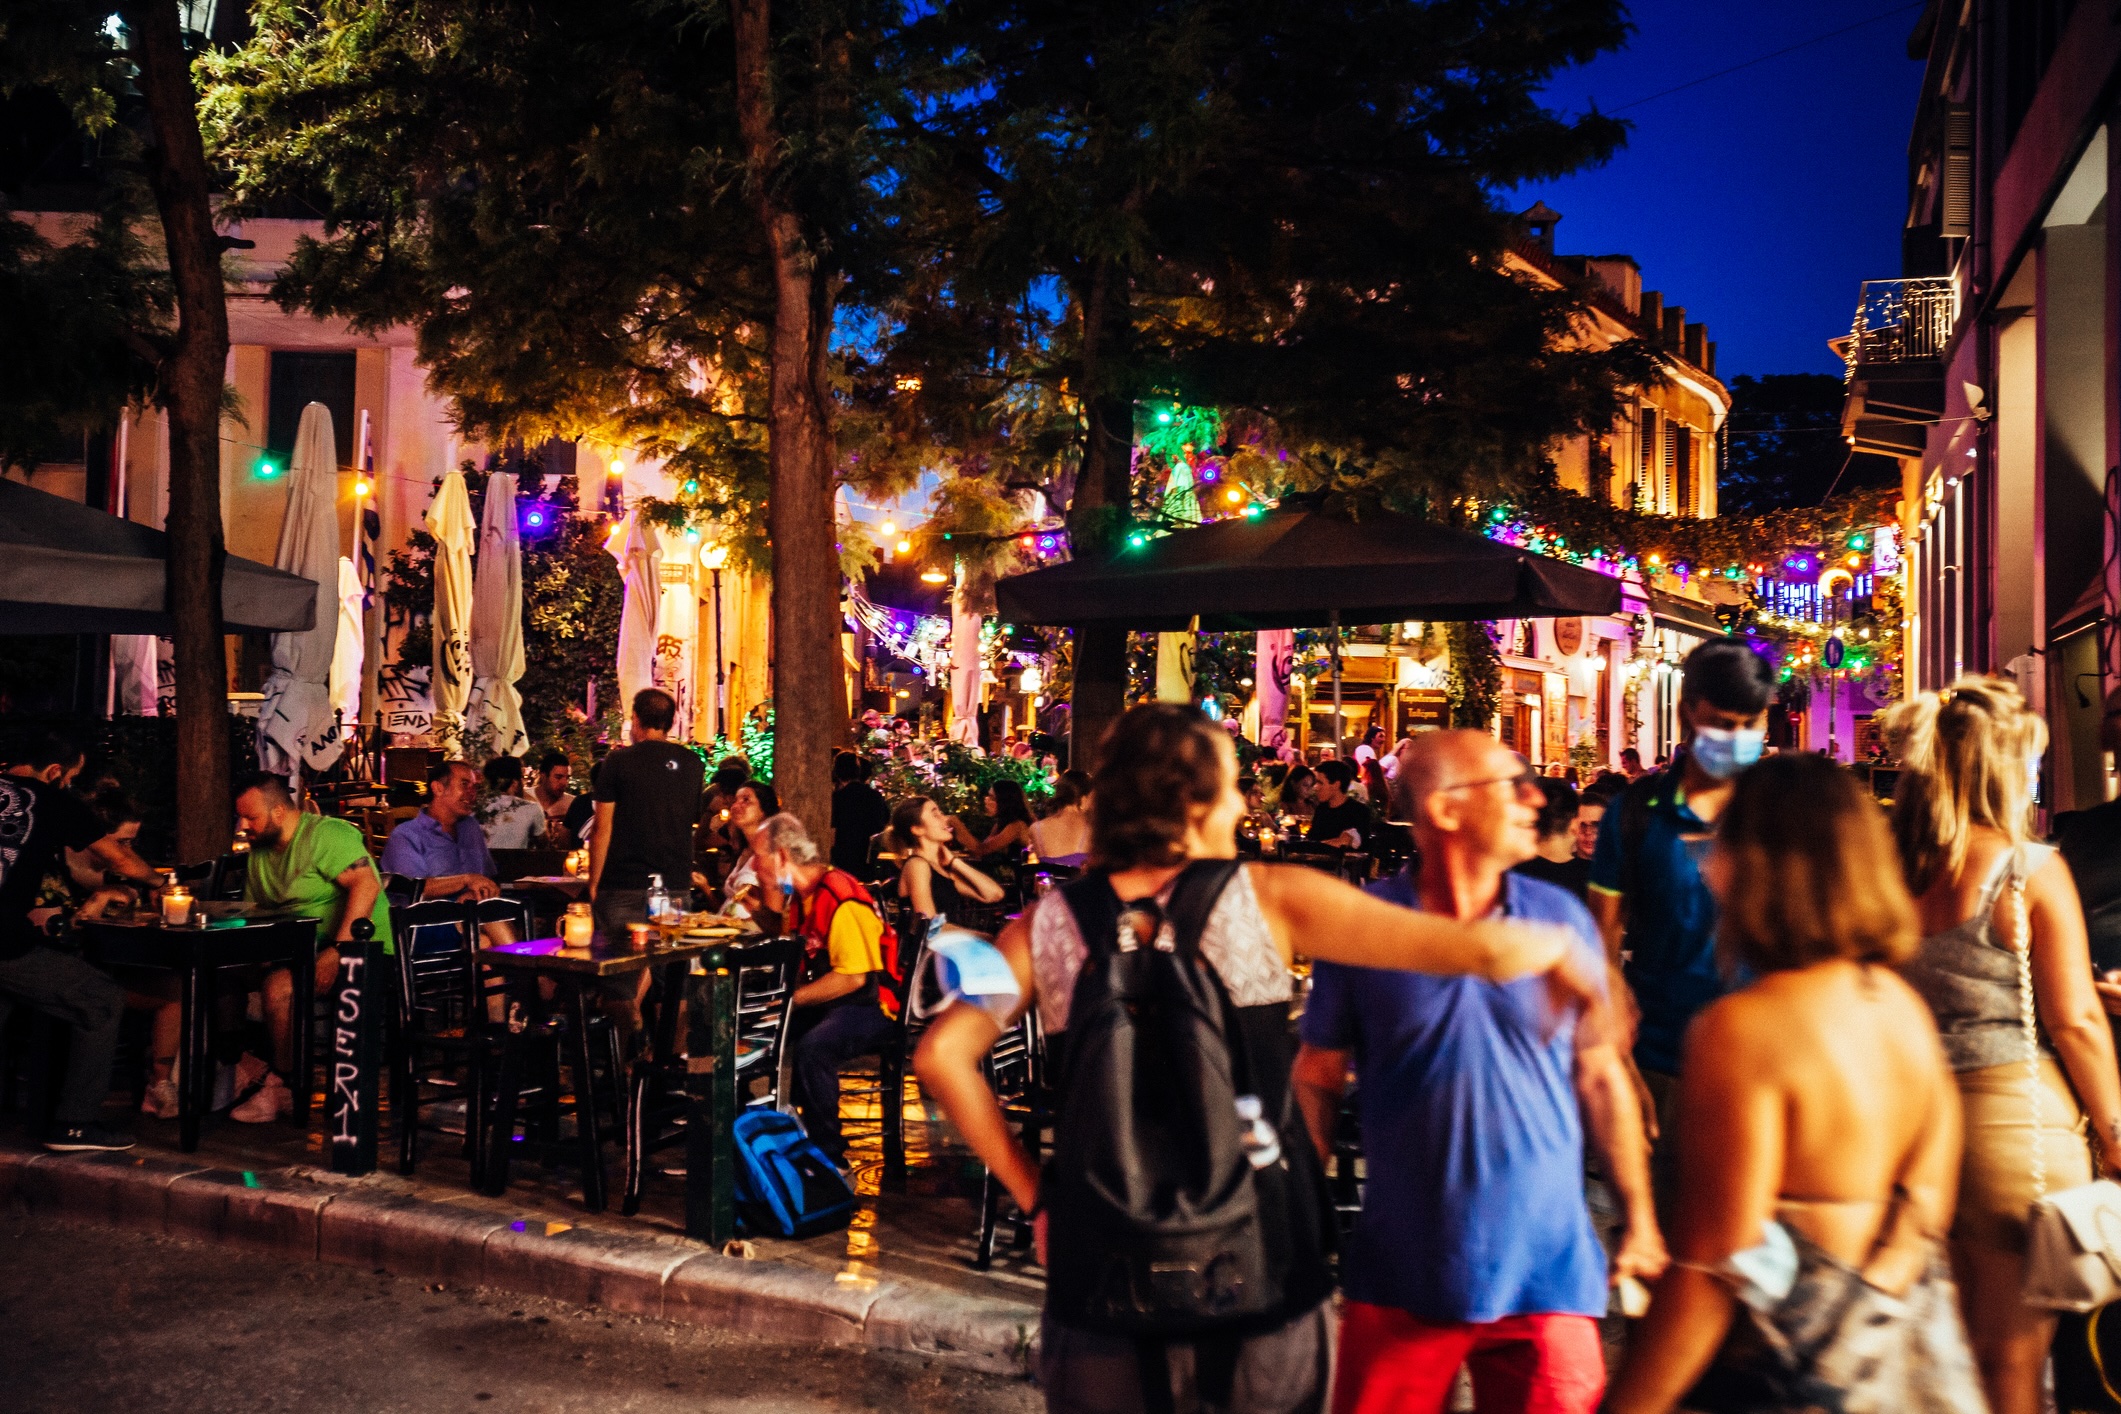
pixel 1762 199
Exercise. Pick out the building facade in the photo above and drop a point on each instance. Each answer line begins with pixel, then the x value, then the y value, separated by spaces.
pixel 1991 366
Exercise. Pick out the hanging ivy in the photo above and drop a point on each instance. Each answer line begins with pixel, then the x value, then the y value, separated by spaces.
pixel 1474 689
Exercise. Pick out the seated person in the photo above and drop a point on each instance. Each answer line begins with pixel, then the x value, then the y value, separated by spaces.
pixel 716 830
pixel 933 876
pixel 40 817
pixel 840 1010
pixel 567 815
pixel 1337 818
pixel 1011 816
pixel 442 846
pixel 509 818
pixel 744 892
pixel 1063 837
pixel 312 867
pixel 1299 791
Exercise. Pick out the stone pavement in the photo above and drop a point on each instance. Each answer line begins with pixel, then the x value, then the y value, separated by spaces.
pixel 900 1278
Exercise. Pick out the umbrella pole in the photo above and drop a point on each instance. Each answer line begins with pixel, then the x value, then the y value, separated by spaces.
pixel 1333 622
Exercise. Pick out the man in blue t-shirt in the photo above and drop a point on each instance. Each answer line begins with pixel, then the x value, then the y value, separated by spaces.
pixel 1646 887
pixel 1475 1244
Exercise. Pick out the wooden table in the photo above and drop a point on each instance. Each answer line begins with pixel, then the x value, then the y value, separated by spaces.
pixel 575 971
pixel 196 955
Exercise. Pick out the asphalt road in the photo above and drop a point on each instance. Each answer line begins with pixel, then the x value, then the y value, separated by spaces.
pixel 98 1318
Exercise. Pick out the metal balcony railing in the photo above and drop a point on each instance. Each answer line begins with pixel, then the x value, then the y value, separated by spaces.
pixel 1903 321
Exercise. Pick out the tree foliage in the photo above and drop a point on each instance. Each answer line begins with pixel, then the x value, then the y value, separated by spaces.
pixel 1786 446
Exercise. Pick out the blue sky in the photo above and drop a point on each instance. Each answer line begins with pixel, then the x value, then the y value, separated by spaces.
pixel 1759 200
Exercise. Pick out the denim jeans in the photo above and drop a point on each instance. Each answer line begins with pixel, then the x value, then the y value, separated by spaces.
pixel 67 989
pixel 826 1038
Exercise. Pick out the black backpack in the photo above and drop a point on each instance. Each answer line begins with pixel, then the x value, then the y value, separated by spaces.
pixel 1158 1223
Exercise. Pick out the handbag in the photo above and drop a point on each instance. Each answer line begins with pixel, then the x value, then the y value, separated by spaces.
pixel 2073 1238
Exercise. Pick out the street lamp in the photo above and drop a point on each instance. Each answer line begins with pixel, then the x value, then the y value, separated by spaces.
pixel 713 556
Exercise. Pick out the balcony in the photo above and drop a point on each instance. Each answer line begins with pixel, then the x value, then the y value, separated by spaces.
pixel 1894 353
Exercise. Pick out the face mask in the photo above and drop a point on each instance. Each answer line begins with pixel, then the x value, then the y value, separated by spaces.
pixel 786 879
pixel 1723 754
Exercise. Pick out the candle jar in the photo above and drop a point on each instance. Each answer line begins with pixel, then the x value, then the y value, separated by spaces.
pixel 577 926
pixel 176 906
pixel 640 935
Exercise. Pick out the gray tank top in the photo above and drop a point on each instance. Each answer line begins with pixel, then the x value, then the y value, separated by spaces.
pixel 1969 976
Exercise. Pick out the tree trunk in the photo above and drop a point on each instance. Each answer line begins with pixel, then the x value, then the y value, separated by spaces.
pixel 1097 517
pixel 191 383
pixel 810 711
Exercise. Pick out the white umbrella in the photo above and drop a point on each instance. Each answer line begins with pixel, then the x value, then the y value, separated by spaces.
pixel 640 558
pixel 497 623
pixel 352 645
pixel 449 521
pixel 296 724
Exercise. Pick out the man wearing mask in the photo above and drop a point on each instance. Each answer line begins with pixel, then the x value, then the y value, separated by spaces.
pixel 1646 889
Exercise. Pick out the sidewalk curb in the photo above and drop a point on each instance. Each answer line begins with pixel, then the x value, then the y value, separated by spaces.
pixel 313 1216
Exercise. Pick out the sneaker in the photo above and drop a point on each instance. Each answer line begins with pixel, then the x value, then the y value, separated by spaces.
pixel 273 1101
pixel 160 1102
pixel 78 1138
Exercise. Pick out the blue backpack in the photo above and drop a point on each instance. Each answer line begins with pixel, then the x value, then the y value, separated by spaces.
pixel 784 1183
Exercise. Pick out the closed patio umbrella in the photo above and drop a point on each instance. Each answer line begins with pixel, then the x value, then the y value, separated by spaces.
pixel 449 521
pixel 497 623
pixel 297 726
pixel 640 558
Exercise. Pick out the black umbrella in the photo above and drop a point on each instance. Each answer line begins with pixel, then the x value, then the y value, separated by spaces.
pixel 1297 568
pixel 70 568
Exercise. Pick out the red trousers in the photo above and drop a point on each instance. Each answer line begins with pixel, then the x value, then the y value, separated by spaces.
pixel 1394 1363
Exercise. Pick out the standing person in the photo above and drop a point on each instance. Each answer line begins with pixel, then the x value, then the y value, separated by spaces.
pixel 647 800
pixel 1338 818
pixel 859 812
pixel 1475 1245
pixel 933 877
pixel 312 867
pixel 1631 763
pixel 443 846
pixel 1646 889
pixel 1063 837
pixel 1590 817
pixel 509 819
pixel 1984 892
pixel 844 1008
pixel 1555 859
pixel 1163 836
pixel 567 815
pixel 39 818
pixel 1819 1135
pixel 2090 841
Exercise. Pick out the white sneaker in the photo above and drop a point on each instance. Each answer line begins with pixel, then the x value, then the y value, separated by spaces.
pixel 273 1101
pixel 160 1101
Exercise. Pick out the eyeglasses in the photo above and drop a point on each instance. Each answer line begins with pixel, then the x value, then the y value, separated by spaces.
pixel 1529 776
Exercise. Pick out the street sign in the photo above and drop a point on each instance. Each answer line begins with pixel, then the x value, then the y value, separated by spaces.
pixel 1834 652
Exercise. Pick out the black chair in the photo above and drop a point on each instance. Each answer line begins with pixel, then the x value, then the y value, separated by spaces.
pixel 896 1056
pixel 1016 1071
pixel 766 972
pixel 442 1050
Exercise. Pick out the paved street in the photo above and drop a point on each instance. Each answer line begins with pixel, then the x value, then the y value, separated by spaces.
pixel 99 1318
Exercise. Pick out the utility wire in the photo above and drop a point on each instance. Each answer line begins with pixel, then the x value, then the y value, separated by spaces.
pixel 1762 59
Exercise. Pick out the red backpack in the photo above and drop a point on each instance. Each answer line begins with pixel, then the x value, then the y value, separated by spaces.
pixel 839 887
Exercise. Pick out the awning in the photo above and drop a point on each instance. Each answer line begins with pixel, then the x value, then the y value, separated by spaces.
pixel 1296 567
pixel 1685 615
pixel 69 568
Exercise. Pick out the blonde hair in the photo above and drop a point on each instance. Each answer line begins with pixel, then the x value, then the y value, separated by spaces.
pixel 1810 869
pixel 1963 755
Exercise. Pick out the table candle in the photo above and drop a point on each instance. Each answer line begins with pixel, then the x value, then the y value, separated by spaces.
pixel 176 906
pixel 577 927
pixel 641 935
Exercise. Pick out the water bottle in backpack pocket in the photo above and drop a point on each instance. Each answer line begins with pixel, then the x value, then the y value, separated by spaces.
pixel 785 1185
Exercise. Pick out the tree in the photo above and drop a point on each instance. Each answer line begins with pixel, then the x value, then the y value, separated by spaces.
pixel 63 45
pixel 1271 209
pixel 1786 447
pixel 627 222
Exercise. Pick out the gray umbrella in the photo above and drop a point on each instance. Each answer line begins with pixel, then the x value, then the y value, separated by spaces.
pixel 69 568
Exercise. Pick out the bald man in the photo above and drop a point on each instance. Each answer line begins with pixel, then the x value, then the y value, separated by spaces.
pixel 1475 1245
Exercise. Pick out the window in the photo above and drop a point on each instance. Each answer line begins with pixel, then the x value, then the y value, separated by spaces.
pixel 1684 454
pixel 299 379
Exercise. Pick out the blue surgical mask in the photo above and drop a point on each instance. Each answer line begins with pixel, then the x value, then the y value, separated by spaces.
pixel 1723 754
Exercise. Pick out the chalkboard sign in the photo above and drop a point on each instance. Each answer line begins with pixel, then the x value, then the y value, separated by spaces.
pixel 356 1052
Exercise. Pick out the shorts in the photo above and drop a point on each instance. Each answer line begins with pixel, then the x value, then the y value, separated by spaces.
pixel 1392 1362
pixel 1280 1370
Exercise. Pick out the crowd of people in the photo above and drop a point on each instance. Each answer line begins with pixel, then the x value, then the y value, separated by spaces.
pixel 1724 1048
